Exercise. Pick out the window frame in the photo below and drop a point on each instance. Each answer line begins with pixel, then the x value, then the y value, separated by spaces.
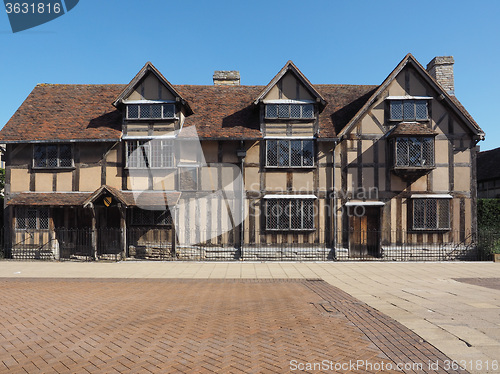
pixel 149 145
pixel 162 104
pixel 58 157
pixel 404 101
pixel 440 203
pixel 289 141
pixel 155 214
pixel 422 139
pixel 302 109
pixel 22 213
pixel 289 227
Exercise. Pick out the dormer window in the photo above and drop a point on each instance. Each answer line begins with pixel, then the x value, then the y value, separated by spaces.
pixel 289 111
pixel 151 111
pixel 408 109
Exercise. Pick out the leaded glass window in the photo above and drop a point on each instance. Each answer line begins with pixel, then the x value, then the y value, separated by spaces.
pixel 414 152
pixel 32 218
pixel 408 110
pixel 156 111
pixel 144 217
pixel 65 155
pixel 150 111
pixel 52 156
pixel 133 111
pixel 287 153
pixel 156 153
pixel 285 111
pixel 421 110
pixel 431 214
pixel 168 111
pixel 289 214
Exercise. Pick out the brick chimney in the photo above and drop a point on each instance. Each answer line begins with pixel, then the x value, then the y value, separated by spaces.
pixel 226 78
pixel 441 69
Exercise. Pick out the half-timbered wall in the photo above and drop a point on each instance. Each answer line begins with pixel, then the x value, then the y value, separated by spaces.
pixel 94 164
pixel 363 161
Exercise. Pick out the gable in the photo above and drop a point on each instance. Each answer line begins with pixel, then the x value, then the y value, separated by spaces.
pixel 289 87
pixel 290 82
pixel 150 88
pixel 150 84
pixel 410 80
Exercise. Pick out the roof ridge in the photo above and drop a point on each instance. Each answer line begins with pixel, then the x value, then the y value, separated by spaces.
pixel 78 84
pixel 490 150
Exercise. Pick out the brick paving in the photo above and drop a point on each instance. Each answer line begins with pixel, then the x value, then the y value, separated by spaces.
pixel 197 326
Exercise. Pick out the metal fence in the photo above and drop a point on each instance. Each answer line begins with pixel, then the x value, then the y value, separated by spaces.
pixel 143 243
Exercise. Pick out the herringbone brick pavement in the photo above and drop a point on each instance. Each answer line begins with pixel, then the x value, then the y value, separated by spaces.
pixel 189 326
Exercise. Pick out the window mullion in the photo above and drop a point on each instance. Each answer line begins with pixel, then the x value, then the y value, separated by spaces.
pixel 267 147
pixel 150 152
pixel 408 152
pixel 437 214
pixel 302 215
pixel 301 150
pixel 421 152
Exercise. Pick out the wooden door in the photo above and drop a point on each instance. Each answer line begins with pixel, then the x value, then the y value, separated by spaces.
pixel 108 230
pixel 364 232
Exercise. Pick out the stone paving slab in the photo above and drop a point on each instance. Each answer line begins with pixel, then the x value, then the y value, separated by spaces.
pixel 200 326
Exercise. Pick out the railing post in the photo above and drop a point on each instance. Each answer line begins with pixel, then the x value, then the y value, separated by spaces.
pixel 93 234
pixel 174 241
pixel 123 228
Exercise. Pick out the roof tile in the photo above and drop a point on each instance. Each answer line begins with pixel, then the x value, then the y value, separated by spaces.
pixel 54 112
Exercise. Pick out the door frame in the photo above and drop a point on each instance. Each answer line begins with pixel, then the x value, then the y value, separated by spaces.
pixel 369 236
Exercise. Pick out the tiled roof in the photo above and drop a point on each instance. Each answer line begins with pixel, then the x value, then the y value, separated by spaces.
pixel 48 198
pixel 66 112
pixel 222 111
pixel 412 128
pixel 54 112
pixel 487 165
pixel 129 198
pixel 344 101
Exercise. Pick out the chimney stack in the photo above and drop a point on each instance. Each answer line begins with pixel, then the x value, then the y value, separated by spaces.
pixel 226 78
pixel 441 69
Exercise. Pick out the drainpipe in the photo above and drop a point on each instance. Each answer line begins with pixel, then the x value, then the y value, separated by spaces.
pixel 241 153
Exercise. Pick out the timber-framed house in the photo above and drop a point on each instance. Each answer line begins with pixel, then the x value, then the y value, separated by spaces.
pixel 290 170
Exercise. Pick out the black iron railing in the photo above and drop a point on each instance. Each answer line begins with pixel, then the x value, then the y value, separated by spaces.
pixel 84 244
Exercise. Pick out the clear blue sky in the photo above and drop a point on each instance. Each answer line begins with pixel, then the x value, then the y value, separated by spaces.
pixel 337 42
